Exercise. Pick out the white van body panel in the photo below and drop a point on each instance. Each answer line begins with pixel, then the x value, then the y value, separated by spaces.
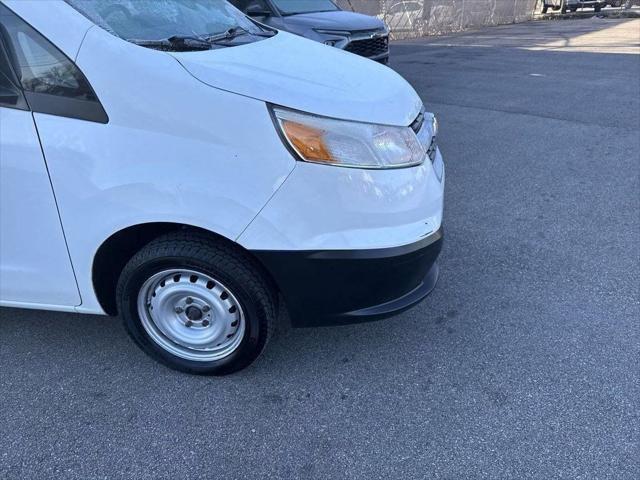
pixel 299 79
pixel 34 262
pixel 174 150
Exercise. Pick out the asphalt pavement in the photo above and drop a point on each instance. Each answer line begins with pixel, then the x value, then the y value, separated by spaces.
pixel 523 363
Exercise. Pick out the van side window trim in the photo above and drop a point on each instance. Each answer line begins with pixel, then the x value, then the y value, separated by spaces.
pixel 90 111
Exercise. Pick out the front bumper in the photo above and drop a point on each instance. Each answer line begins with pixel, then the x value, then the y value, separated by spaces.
pixel 347 245
pixel 338 287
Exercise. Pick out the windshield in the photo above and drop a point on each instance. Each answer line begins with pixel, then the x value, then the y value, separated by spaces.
pixel 160 19
pixel 288 7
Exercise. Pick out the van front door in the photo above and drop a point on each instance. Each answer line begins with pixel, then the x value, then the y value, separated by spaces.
pixel 35 269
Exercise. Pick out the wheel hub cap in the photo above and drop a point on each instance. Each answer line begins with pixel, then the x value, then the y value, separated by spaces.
pixel 191 315
pixel 194 314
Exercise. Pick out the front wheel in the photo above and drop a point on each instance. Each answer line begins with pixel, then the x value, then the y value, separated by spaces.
pixel 197 304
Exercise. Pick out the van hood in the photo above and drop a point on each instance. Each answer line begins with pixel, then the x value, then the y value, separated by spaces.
pixel 294 72
pixel 335 20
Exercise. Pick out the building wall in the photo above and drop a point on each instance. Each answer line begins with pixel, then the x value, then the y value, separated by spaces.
pixel 416 18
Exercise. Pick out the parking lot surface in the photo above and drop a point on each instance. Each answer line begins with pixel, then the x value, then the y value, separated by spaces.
pixel 523 363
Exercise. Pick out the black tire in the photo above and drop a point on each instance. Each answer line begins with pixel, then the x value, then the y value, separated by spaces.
pixel 220 259
pixel 597 8
pixel 563 9
pixel 573 9
pixel 545 8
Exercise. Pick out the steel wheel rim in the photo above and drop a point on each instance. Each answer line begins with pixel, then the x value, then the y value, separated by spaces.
pixel 191 315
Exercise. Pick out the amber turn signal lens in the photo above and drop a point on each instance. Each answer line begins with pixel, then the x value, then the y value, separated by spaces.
pixel 308 141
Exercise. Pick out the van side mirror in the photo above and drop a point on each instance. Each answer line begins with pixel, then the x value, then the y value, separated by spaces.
pixel 255 10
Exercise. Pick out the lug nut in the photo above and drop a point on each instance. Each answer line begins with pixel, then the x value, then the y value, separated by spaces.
pixel 189 300
pixel 206 308
pixel 179 309
pixel 206 323
pixel 188 324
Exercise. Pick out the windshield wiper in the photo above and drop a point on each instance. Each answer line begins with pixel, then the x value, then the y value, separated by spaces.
pixel 235 32
pixel 191 42
pixel 176 43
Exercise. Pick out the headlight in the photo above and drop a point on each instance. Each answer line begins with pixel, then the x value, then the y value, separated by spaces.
pixel 349 144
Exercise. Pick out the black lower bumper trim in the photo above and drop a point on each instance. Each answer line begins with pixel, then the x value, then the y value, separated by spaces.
pixel 338 287
pixel 398 305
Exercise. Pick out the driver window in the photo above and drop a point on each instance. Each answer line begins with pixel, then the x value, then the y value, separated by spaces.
pixel 10 95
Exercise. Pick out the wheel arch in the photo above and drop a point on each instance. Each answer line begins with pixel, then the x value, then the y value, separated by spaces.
pixel 115 252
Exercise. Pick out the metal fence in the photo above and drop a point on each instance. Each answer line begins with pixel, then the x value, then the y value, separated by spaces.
pixel 416 18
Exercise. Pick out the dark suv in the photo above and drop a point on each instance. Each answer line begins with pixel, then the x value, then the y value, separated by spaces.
pixel 323 21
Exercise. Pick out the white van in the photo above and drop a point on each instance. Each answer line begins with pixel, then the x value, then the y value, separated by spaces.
pixel 195 172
